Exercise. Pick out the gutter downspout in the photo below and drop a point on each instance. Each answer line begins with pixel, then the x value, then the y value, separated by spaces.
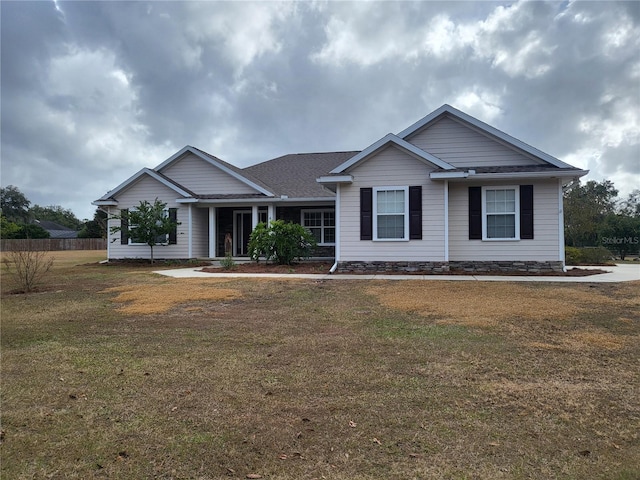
pixel 337 215
pixel 446 221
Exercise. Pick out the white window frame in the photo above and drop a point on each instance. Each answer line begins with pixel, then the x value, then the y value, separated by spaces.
pixel 130 238
pixel 322 227
pixel 516 214
pixel 404 189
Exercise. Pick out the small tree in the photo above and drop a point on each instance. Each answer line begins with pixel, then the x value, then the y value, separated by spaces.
pixel 281 242
pixel 147 223
pixel 27 267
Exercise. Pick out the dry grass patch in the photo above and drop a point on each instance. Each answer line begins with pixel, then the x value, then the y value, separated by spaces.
pixel 153 299
pixel 590 339
pixel 484 304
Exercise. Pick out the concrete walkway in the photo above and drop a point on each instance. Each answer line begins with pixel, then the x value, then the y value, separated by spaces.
pixel 619 273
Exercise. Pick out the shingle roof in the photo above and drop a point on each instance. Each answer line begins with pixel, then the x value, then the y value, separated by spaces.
pixel 295 174
pixel 56 230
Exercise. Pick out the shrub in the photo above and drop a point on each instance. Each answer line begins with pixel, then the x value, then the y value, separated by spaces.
pixel 281 242
pixel 227 262
pixel 587 256
pixel 27 268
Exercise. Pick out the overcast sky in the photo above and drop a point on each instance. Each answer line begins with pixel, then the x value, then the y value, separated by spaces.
pixel 94 91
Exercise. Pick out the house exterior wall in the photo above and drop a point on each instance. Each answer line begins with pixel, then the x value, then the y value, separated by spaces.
pixel 545 246
pixel 392 167
pixel 146 188
pixel 203 178
pixel 200 232
pixel 462 146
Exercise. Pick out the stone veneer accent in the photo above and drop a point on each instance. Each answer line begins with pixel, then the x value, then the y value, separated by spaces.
pixel 456 266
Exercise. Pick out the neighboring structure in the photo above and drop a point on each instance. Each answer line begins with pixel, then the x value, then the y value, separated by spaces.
pixel 56 230
pixel 449 192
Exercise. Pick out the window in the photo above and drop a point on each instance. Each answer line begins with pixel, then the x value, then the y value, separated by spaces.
pixel 322 224
pixel 160 239
pixel 263 215
pixel 390 218
pixel 500 211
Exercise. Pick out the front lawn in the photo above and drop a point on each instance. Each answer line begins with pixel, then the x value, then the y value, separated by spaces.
pixel 114 372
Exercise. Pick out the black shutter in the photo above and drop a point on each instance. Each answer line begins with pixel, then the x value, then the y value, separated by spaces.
pixel 366 214
pixel 173 234
pixel 526 212
pixel 475 213
pixel 124 226
pixel 415 213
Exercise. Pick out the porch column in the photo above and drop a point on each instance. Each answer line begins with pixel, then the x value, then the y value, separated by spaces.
pixel 212 232
pixel 254 216
pixel 271 212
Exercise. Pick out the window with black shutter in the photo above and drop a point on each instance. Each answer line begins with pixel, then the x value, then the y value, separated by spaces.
pixel 366 214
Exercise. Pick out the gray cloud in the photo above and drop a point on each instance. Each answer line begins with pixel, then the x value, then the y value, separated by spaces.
pixel 94 91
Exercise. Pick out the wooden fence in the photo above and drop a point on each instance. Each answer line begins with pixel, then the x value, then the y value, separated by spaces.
pixel 53 244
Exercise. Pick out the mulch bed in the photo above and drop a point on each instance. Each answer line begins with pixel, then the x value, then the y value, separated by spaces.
pixel 323 268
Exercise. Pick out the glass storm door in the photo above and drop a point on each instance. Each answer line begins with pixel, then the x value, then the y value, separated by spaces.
pixel 242 229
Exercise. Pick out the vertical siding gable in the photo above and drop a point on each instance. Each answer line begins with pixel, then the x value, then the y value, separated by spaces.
pixel 201 177
pixel 463 146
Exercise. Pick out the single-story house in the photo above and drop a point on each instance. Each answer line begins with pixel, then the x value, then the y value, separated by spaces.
pixel 448 192
pixel 56 230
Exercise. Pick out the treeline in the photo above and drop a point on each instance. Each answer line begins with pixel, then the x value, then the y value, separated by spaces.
pixel 595 217
pixel 19 219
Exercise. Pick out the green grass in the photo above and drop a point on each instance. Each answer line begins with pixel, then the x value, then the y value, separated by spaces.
pixel 297 379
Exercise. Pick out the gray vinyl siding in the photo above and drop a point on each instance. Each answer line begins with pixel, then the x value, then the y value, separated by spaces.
pixel 461 146
pixel 200 247
pixel 543 247
pixel 147 188
pixel 203 178
pixel 392 167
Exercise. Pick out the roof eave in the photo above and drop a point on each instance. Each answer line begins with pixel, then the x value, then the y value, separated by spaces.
pixel 333 179
pixel 471 175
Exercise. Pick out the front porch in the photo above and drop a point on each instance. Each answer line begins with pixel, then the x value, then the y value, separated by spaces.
pixel 220 231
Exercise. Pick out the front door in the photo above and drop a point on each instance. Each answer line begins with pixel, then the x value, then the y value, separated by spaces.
pixel 242 230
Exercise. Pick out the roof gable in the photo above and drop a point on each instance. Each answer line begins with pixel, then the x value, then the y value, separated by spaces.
pixel 225 167
pixel 387 140
pixel 110 196
pixel 448 110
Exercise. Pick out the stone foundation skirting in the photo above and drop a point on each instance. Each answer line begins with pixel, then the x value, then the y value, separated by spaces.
pixel 524 267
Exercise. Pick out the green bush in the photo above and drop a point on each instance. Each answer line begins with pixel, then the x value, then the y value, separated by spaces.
pixel 227 263
pixel 587 256
pixel 281 242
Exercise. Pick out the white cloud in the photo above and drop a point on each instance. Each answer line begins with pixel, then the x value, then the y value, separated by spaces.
pixel 247 31
pixel 484 105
